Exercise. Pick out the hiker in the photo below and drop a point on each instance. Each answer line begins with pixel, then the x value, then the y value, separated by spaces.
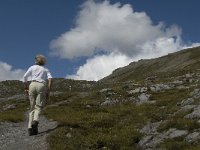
pixel 38 91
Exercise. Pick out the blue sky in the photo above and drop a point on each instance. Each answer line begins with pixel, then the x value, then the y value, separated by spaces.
pixel 28 27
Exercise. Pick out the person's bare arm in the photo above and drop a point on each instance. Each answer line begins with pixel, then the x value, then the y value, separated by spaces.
pixel 48 88
pixel 49 84
pixel 26 88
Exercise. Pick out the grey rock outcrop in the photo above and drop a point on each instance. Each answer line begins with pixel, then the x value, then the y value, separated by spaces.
pixel 9 107
pixel 138 90
pixel 195 114
pixel 143 98
pixel 185 108
pixel 159 87
pixel 109 102
pixel 193 137
pixel 150 128
pixel 152 141
pixel 185 102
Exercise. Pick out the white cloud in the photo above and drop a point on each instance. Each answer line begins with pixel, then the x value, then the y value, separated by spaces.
pixel 7 73
pixel 100 66
pixel 118 31
pixel 109 28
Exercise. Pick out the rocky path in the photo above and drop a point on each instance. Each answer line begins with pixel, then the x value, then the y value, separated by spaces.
pixel 14 136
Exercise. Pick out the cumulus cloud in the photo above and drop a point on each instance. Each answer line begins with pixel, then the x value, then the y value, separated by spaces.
pixel 100 66
pixel 110 28
pixel 7 73
pixel 118 32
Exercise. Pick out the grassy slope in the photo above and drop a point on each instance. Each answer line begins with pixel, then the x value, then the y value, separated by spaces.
pixel 116 127
pixel 16 114
pixel 10 88
pixel 95 127
pixel 170 65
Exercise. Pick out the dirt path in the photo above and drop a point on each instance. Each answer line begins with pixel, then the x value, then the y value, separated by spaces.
pixel 14 136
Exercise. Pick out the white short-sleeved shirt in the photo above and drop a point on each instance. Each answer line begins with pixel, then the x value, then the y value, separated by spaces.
pixel 37 73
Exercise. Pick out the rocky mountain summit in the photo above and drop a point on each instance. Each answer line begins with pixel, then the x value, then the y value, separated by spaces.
pixel 150 104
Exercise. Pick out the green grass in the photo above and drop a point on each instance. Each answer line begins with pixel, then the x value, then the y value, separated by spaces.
pixel 175 144
pixel 111 127
pixel 179 123
pixel 117 126
pixel 179 144
pixel 168 102
pixel 15 115
pixel 60 97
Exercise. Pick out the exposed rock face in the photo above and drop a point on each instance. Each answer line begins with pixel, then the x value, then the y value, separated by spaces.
pixel 106 90
pixel 152 141
pixel 9 107
pixel 185 108
pixel 143 98
pixel 193 137
pixel 152 138
pixel 173 133
pixel 159 87
pixel 187 101
pixel 138 90
pixel 8 88
pixel 150 128
pixel 110 102
pixel 195 114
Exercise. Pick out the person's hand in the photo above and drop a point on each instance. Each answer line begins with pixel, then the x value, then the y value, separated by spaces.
pixel 47 94
pixel 26 92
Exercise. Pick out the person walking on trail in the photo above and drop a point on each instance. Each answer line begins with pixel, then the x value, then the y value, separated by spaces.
pixel 38 91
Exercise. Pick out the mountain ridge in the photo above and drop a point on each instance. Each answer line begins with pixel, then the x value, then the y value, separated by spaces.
pixel 179 61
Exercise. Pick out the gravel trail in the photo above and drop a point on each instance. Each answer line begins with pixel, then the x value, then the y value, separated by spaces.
pixel 14 136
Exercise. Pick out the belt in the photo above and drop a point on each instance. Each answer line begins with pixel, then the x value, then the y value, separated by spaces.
pixel 36 81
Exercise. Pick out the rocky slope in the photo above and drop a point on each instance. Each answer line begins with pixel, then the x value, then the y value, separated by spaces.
pixel 150 104
pixel 175 63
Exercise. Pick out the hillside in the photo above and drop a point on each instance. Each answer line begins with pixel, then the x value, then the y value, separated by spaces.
pixel 171 64
pixel 148 105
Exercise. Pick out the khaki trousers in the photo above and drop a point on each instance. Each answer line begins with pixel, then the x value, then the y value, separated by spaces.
pixel 37 96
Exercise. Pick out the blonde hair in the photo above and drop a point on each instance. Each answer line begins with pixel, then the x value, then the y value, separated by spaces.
pixel 40 60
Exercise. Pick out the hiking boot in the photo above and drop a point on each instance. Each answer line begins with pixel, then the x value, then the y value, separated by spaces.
pixel 35 127
pixel 30 131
